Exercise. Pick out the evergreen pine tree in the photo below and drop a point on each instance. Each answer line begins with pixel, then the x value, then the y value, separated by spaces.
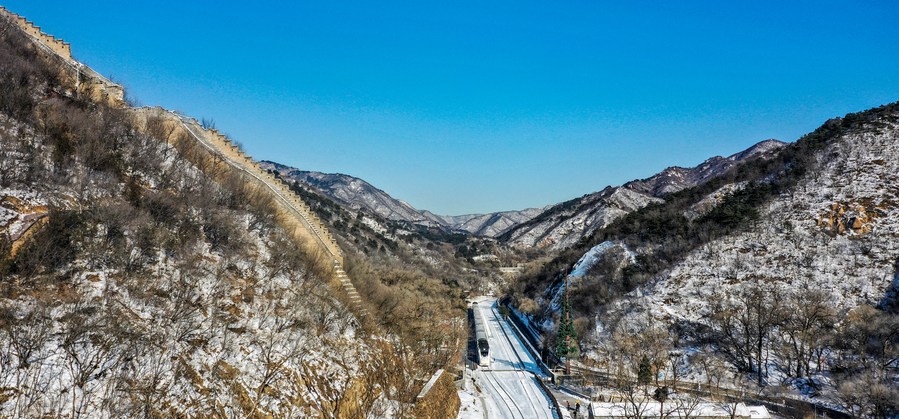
pixel 644 371
pixel 566 337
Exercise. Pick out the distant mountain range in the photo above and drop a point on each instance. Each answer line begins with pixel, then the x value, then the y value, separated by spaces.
pixel 358 194
pixel 556 226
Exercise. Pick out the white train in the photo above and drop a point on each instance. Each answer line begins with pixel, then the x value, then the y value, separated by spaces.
pixel 480 333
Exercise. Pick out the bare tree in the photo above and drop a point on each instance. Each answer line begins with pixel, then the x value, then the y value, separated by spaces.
pixel 808 323
pixel 26 333
pixel 636 400
pixel 94 347
pixel 745 324
pixel 714 368
pixel 687 405
pixel 281 339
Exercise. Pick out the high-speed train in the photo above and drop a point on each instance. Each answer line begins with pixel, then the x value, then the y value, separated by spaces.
pixel 480 333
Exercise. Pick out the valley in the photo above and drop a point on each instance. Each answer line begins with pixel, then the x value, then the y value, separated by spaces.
pixel 149 267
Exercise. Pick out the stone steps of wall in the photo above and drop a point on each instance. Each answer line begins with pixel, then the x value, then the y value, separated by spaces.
pixel 230 151
pixel 350 289
pixel 317 227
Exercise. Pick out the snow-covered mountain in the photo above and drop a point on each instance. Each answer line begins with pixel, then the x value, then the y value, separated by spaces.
pixel 488 225
pixel 354 193
pixel 555 227
pixel 834 231
pixel 565 224
pixel 795 253
pixel 676 178
pixel 145 273
pixel 157 296
pixel 358 194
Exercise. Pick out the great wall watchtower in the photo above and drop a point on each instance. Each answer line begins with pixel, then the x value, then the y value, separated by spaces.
pixel 60 47
pixel 85 80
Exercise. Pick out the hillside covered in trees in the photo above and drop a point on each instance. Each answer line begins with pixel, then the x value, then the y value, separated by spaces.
pixel 141 276
pixel 781 274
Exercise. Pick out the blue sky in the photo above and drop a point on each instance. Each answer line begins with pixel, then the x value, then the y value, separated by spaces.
pixel 463 107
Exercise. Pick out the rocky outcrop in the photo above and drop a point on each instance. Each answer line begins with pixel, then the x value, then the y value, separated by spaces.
pixel 849 218
pixel 21 214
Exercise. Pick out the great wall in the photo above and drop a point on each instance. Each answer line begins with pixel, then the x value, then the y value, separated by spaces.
pixel 292 213
pixel 84 81
pixel 435 401
pixel 60 47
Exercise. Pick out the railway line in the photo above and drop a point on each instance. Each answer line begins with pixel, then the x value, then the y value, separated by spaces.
pixel 509 387
pixel 505 397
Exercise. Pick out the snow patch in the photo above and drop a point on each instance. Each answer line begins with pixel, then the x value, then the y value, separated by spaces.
pixel 589 259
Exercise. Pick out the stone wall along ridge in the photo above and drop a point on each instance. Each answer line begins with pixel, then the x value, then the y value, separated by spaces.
pixel 60 47
pixel 85 79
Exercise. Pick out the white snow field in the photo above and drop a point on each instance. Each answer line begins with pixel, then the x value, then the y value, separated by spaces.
pixel 508 388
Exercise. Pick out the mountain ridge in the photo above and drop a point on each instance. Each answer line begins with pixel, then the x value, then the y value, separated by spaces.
pixel 807 233
pixel 359 194
pixel 564 224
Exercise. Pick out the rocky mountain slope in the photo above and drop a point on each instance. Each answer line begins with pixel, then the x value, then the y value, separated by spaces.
pixel 675 178
pixel 772 274
pixel 563 225
pixel 835 231
pixel 142 276
pixel 354 193
pixel 488 225
pixel 358 194
pixel 396 242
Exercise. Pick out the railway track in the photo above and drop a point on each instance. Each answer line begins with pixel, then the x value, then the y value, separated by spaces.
pixel 504 396
pixel 510 385
pixel 520 368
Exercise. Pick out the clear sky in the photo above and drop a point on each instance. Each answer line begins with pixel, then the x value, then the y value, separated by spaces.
pixel 463 107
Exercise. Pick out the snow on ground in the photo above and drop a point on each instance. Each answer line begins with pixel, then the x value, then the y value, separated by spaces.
pixel 689 408
pixel 589 259
pixel 527 322
pixel 204 327
pixel 565 227
pixel 798 242
pixel 712 200
pixel 581 269
pixel 508 387
pixel 471 407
